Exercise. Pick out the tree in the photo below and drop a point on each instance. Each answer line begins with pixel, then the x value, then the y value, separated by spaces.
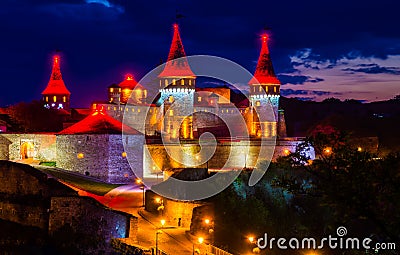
pixel 358 188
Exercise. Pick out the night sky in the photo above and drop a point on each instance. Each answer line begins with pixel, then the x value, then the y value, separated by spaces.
pixel 343 48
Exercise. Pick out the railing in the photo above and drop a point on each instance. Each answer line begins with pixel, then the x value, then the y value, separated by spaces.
pixel 217 251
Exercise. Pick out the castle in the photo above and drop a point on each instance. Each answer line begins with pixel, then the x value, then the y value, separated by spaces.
pixel 151 127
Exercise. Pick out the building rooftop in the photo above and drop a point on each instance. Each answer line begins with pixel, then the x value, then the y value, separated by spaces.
pixel 99 123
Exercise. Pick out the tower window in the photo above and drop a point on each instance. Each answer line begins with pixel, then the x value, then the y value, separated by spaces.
pixel 190 82
pixel 275 89
pixel 199 99
pixel 47 99
pixel 111 90
pixel 173 82
pixel 260 88
pixel 166 82
pixel 64 99
pixel 54 99
pixel 182 82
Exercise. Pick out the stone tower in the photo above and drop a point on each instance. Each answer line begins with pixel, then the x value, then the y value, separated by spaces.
pixel 177 87
pixel 264 94
pixel 56 95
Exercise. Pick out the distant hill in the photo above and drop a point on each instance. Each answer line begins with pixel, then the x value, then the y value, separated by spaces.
pixel 381 119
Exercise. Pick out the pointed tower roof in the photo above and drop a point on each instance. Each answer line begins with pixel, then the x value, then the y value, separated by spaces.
pixel 130 83
pixel 264 73
pixel 99 123
pixel 177 64
pixel 56 84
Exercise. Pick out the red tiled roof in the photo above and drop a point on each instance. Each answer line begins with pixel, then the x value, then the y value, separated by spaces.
pixel 130 83
pixel 56 84
pixel 177 64
pixel 264 73
pixel 99 123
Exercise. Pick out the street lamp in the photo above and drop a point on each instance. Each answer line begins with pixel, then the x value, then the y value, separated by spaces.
pixel 162 223
pixel 200 240
pixel 140 182
pixel 159 232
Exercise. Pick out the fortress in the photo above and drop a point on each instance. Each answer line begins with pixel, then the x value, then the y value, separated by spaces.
pixel 160 133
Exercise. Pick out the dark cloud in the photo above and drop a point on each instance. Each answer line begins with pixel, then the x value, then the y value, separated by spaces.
pixel 297 79
pixel 374 69
pixel 313 93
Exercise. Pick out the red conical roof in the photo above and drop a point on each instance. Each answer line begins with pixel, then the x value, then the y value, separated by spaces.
pixel 130 83
pixel 177 64
pixel 264 73
pixel 99 123
pixel 56 84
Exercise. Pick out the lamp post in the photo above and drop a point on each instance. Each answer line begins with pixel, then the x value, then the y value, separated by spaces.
pixel 140 182
pixel 157 233
pixel 200 240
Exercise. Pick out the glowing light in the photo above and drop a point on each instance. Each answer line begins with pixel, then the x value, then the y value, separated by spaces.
pixel 286 151
pixel 129 77
pixel 251 239
pixel 80 155
pixel 124 154
pixel 200 240
pixel 207 221
pixel 359 149
pixel 138 181
pixel 158 200
pixel 162 222
pixel 328 150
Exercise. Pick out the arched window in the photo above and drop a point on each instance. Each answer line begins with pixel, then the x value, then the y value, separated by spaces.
pixel 64 99
pixel 182 82
pixel 54 99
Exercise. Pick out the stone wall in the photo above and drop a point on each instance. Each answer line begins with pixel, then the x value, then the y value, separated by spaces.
pixel 29 197
pixel 89 217
pixel 101 156
pixel 176 213
pixel 44 146
pixel 202 223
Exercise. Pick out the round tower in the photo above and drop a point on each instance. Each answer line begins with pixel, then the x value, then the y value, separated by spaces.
pixel 264 94
pixel 177 87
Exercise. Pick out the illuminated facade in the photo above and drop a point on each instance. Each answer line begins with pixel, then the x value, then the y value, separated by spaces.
pixel 196 108
pixel 56 95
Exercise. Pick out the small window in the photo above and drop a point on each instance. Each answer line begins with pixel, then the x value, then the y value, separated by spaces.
pixel 138 110
pixel 166 82
pixel 258 103
pixel 182 82
pixel 275 89
pixel 123 154
pixel 260 88
pixel 80 155
pixel 199 99
pixel 64 99
pixel 171 112
pixel 47 99
pixel 111 90
pixel 54 99
pixel 173 82
pixel 190 82
pixel 171 99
